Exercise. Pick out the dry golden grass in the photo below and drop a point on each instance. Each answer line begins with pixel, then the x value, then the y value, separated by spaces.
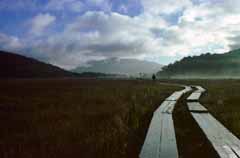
pixel 76 118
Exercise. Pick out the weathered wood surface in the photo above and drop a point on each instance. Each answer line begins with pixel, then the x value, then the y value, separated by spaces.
pixel 166 107
pixel 151 146
pixel 168 147
pixel 187 89
pixel 194 96
pixel 160 141
pixel 200 89
pixel 175 96
pixel 225 143
pixel 196 107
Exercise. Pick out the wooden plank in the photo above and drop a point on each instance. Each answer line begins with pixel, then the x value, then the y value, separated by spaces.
pixel 163 107
pixel 160 140
pixel 168 139
pixel 194 96
pixel 151 146
pixel 236 149
pixel 200 89
pixel 222 137
pixel 170 108
pixel 210 133
pixel 175 96
pixel 229 151
pixel 187 89
pixel 166 107
pixel 196 107
pixel 225 143
pixel 230 138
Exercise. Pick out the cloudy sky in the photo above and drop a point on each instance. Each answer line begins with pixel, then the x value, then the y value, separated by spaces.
pixel 69 33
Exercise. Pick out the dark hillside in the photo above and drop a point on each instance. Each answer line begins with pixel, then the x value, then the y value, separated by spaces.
pixel 205 66
pixel 17 66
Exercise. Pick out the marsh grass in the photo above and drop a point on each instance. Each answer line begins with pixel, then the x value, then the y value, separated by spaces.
pixel 76 118
pixel 223 101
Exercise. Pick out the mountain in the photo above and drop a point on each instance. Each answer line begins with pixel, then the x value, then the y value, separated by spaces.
pixel 120 66
pixel 18 66
pixel 208 65
pixel 100 75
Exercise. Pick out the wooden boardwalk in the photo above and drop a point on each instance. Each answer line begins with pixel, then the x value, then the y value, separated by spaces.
pixel 160 141
pixel 196 107
pixel 177 95
pixel 224 142
pixel 166 107
pixel 196 94
pixel 200 89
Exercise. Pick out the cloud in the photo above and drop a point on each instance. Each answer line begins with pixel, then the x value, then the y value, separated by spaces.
pixel 40 22
pixel 165 7
pixel 101 35
pixel 10 43
pixel 101 30
pixel 208 24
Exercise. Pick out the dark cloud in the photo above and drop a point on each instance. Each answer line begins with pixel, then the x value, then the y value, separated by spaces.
pixel 169 36
pixel 234 42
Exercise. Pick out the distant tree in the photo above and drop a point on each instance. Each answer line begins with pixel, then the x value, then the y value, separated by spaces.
pixel 153 77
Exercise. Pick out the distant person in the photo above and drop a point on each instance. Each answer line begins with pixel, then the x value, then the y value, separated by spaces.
pixel 153 77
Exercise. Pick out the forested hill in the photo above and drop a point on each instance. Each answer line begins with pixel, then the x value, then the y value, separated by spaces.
pixel 18 66
pixel 205 66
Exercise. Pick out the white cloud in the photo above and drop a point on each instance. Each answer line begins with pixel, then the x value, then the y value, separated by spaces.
pixel 10 43
pixel 100 35
pixel 201 28
pixel 165 7
pixel 209 25
pixel 40 22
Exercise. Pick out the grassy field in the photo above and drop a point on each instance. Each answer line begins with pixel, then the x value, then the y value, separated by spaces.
pixel 103 118
pixel 223 101
pixel 76 118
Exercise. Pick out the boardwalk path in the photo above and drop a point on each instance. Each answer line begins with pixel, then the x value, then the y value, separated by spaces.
pixel 224 142
pixel 160 141
pixel 196 94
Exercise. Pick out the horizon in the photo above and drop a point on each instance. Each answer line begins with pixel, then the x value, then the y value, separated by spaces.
pixel 71 33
